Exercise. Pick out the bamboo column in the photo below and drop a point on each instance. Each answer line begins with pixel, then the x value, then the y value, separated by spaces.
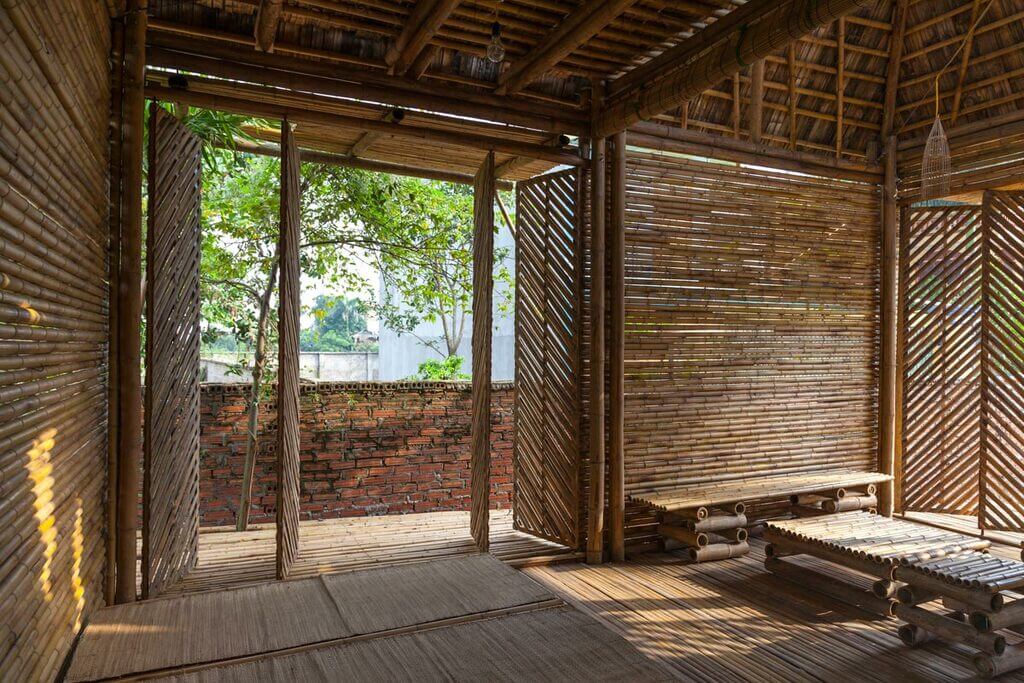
pixel 888 362
pixel 595 506
pixel 288 323
pixel 129 303
pixel 483 286
pixel 756 100
pixel 616 352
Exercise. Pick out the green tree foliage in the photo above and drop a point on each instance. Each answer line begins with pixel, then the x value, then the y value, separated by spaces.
pixel 448 369
pixel 336 321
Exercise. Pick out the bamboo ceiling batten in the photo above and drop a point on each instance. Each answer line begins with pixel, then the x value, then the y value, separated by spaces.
pixel 751 323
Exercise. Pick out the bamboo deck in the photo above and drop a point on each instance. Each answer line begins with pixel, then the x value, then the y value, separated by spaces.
pixel 411 622
pixel 964 524
pixel 228 558
pixel 733 621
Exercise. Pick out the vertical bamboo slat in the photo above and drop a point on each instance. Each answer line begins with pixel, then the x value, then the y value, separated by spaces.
pixel 483 286
pixel 288 356
pixel 887 359
pixel 616 342
pixel 596 497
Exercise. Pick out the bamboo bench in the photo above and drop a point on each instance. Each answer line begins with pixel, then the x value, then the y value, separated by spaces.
pixel 913 565
pixel 686 512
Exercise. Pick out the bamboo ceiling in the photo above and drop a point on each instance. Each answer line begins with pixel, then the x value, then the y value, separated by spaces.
pixel 979 78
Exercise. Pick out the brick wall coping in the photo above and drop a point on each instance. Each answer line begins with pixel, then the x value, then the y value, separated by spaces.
pixel 369 386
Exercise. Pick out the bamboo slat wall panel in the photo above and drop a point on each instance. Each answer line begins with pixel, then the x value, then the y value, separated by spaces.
pixel 288 357
pixel 548 414
pixel 751 323
pixel 54 108
pixel 483 287
pixel 1002 398
pixel 941 323
pixel 170 538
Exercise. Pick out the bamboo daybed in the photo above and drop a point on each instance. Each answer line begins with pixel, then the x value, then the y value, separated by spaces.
pixel 914 565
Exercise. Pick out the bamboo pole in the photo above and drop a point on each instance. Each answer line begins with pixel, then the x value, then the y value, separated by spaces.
pixel 616 358
pixel 595 506
pixel 129 302
pixel 888 362
pixel 268 16
pixel 756 111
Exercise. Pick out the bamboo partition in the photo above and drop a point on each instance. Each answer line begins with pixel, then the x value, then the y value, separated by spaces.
pixel 483 288
pixel 170 492
pixel 54 328
pixel 288 324
pixel 1001 496
pixel 547 439
pixel 752 324
pixel 596 369
pixel 941 268
pixel 616 344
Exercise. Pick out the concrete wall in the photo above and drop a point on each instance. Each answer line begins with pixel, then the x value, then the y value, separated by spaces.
pixel 342 366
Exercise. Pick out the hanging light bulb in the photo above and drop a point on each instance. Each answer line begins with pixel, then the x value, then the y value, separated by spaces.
pixel 495 50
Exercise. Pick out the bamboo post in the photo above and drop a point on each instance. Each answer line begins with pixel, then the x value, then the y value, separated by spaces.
pixel 129 303
pixel 756 100
pixel 483 286
pixel 887 364
pixel 595 505
pixel 616 352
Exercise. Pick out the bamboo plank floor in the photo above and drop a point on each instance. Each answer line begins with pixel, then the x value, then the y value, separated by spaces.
pixel 733 621
pixel 228 558
pixel 165 634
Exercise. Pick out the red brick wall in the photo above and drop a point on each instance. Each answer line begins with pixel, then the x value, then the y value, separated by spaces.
pixel 368 448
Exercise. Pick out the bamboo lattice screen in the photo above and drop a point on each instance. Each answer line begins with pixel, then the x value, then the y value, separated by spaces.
pixel 979 161
pixel 170 539
pixel 288 473
pixel 941 307
pixel 963 360
pixel 752 325
pixel 548 281
pixel 1002 367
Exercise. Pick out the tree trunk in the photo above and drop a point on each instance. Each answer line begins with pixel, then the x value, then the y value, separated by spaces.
pixel 259 365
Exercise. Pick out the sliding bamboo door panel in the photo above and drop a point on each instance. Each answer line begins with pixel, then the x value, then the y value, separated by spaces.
pixel 288 357
pixel 546 461
pixel 941 273
pixel 752 324
pixel 1002 397
pixel 171 475
pixel 483 286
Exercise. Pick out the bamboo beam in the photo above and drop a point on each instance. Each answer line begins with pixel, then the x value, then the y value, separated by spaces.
pixel 424 21
pixel 207 55
pixel 888 358
pixel 582 24
pixel 515 163
pixel 965 60
pixel 595 503
pixel 317 157
pixel 756 101
pixel 268 16
pixel 255 107
pixel 840 83
pixel 791 86
pixel 762 36
pixel 736 109
pixel 616 352
pixel 366 140
pixel 129 303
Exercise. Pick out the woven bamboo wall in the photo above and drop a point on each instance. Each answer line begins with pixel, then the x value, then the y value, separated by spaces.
pixel 751 323
pixel 941 264
pixel 547 357
pixel 986 160
pixel 54 107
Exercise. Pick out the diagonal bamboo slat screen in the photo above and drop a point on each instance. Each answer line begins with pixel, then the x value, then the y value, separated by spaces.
pixel 548 281
pixel 752 326
pixel 288 474
pixel 1002 372
pixel 170 539
pixel 941 324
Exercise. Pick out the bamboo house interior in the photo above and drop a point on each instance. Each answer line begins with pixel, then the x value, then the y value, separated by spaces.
pixel 769 340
